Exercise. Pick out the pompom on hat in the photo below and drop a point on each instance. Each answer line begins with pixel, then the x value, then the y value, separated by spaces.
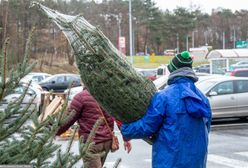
pixel 181 60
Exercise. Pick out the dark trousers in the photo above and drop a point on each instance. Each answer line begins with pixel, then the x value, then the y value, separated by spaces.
pixel 97 159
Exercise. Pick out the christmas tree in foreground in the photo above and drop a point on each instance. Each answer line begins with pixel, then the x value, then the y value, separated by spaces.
pixel 22 143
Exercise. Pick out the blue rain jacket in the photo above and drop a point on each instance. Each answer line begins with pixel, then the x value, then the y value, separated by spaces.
pixel 179 116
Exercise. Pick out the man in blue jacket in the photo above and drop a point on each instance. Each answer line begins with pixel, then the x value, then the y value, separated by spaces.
pixel 179 117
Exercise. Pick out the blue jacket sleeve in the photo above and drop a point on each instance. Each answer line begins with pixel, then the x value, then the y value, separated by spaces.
pixel 149 124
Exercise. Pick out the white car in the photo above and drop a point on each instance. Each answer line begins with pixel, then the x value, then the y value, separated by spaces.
pixel 33 96
pixel 35 77
pixel 208 77
pixel 70 93
pixel 240 64
pixel 162 70
pixel 161 82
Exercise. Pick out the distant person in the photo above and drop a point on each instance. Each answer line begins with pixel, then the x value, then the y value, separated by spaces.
pixel 178 118
pixel 86 111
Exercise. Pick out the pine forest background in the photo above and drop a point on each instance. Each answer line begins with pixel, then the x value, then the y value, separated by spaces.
pixel 153 29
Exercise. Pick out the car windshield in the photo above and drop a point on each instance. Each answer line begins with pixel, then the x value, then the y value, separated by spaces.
pixel 242 62
pixel 148 73
pixel 48 79
pixel 21 90
pixel 204 86
pixel 160 71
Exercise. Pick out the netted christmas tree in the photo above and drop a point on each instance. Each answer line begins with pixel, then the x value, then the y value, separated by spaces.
pixel 24 139
pixel 109 77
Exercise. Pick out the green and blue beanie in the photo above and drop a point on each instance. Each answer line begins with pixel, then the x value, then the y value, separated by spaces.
pixel 181 60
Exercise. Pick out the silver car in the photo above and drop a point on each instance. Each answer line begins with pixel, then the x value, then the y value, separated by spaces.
pixel 35 77
pixel 228 96
pixel 33 96
pixel 240 64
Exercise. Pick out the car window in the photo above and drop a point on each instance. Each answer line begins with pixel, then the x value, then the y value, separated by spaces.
pixel 60 79
pixel 160 71
pixel 71 78
pixel 37 78
pixel 241 74
pixel 243 63
pixel 46 76
pixel 242 86
pixel 21 89
pixel 224 88
pixel 204 86
pixel 148 73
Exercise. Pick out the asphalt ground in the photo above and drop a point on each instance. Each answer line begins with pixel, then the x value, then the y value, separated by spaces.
pixel 228 148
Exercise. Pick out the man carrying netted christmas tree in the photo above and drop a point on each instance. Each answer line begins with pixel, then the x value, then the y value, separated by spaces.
pixel 179 117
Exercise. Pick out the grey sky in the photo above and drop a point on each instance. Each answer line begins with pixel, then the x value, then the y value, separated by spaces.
pixel 205 5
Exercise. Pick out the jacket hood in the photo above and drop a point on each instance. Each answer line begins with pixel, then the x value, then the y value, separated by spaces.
pixel 182 72
pixel 195 102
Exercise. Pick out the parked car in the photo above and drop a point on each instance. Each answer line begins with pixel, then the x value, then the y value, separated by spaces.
pixel 240 64
pixel 227 96
pixel 207 77
pixel 243 72
pixel 170 52
pixel 33 96
pixel 60 82
pixel 72 92
pixel 204 68
pixel 35 77
pixel 148 73
pixel 161 82
pixel 162 70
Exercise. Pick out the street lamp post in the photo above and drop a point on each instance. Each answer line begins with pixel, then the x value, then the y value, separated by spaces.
pixel 224 40
pixel 177 43
pixel 119 30
pixel 193 38
pixel 187 42
pixel 130 32
pixel 234 38
pixel 206 37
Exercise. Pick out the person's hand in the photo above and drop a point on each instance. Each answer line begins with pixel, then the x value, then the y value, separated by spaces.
pixel 127 146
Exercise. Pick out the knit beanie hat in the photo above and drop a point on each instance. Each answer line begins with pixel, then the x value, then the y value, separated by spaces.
pixel 180 60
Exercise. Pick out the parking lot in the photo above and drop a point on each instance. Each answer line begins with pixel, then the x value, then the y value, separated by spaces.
pixel 228 145
pixel 228 148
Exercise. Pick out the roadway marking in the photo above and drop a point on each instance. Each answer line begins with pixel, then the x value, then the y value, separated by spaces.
pixel 228 126
pixel 242 153
pixel 227 161
pixel 111 164
pixel 148 160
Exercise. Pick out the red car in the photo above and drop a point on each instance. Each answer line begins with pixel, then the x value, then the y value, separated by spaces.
pixel 238 72
pixel 149 73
